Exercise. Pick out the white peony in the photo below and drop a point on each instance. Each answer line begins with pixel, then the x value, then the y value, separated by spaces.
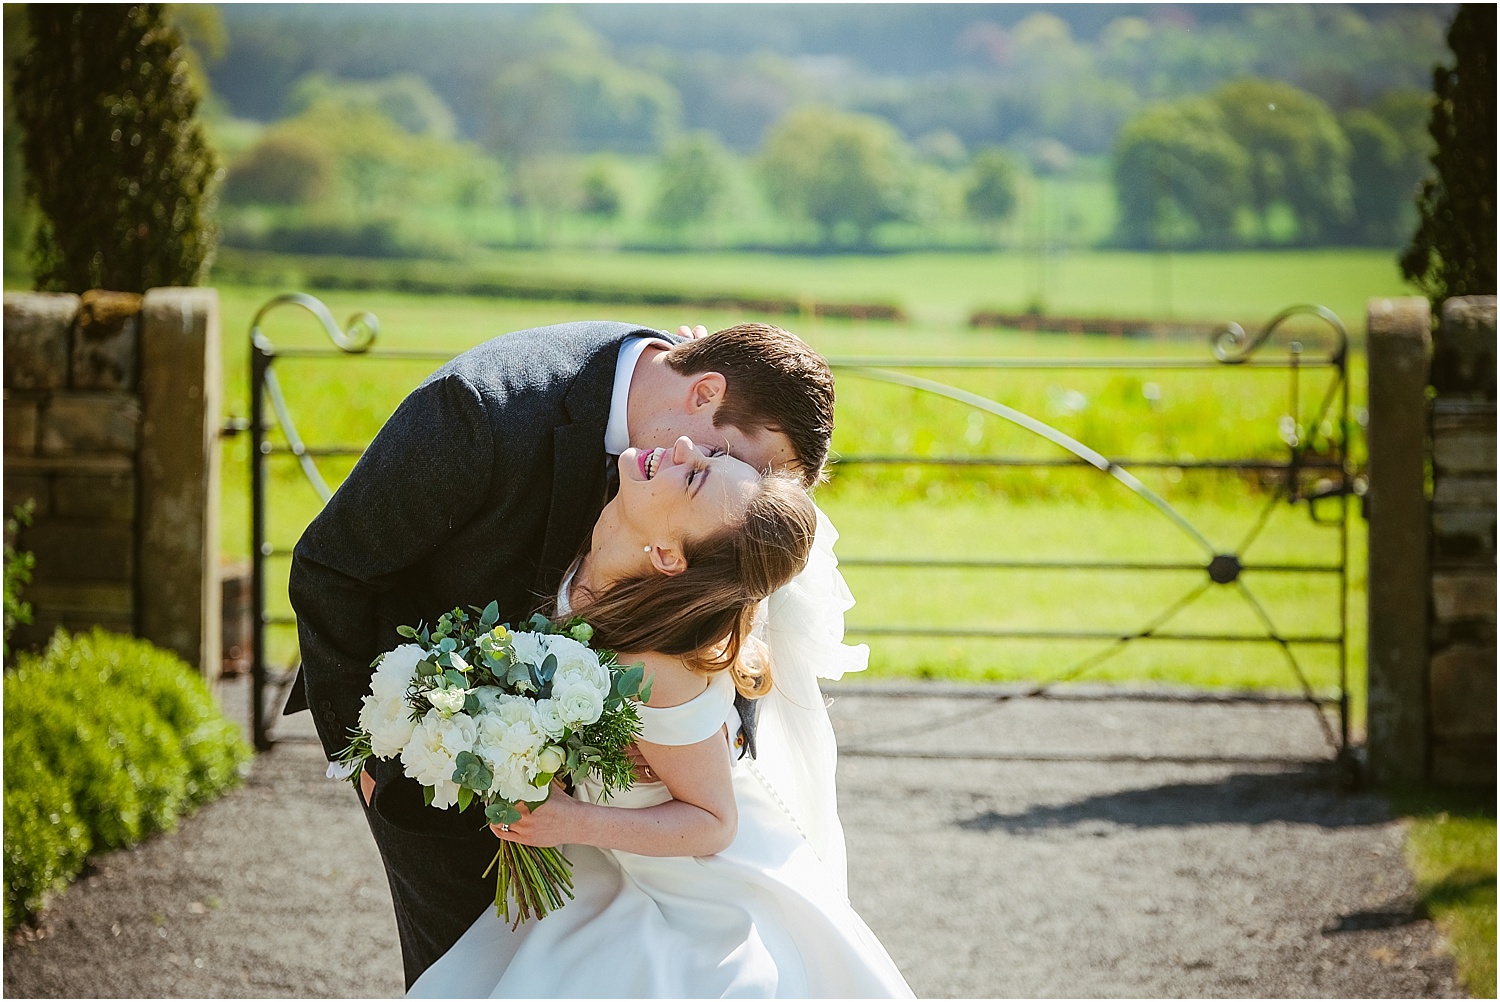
pixel 388 722
pixel 510 739
pixel 447 701
pixel 395 671
pixel 430 755
pixel 579 703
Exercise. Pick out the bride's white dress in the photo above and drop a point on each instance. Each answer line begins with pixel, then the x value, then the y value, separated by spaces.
pixel 766 918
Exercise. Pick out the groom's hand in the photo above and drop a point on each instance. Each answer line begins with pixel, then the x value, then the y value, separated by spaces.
pixel 643 771
pixel 366 787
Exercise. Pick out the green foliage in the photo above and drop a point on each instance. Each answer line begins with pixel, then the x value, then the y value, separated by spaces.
pixel 45 840
pixel 18 567
pixel 576 97
pixel 404 98
pixel 1453 251
pixel 285 168
pixel 114 154
pixel 838 170
pixel 125 736
pixel 211 744
pixel 1450 845
pixel 1298 155
pixel 694 180
pixel 601 191
pixel 993 181
pixel 1179 176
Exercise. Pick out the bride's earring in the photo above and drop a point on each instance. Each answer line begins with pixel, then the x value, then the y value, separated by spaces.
pixel 646 549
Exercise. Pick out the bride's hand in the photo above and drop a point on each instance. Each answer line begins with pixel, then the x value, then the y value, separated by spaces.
pixel 555 822
pixel 693 332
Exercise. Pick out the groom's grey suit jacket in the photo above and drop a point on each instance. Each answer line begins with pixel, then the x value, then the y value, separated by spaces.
pixel 484 485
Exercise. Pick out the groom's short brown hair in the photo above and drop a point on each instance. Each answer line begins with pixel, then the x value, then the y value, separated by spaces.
pixel 775 382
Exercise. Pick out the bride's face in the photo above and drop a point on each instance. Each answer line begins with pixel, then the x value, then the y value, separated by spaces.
pixel 685 492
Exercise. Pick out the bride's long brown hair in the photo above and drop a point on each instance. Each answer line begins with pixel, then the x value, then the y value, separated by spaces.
pixel 703 614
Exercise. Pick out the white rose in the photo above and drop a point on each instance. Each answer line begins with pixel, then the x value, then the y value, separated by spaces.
pixel 447 701
pixel 389 724
pixel 547 718
pixel 435 743
pixel 574 658
pixel 395 671
pixel 579 704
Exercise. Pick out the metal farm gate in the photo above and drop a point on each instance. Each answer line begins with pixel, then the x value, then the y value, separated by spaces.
pixel 1315 469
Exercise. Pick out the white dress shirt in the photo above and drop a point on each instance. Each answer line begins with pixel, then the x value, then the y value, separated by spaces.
pixel 617 429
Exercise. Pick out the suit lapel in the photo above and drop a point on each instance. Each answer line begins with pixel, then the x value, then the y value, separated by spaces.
pixel 577 469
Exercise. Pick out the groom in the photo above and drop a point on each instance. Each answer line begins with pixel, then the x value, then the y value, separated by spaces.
pixel 484 485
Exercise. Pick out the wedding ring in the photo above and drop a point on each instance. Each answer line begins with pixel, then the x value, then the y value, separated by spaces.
pixel 505 828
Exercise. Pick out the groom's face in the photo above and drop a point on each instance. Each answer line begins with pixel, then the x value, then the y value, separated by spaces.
pixel 761 448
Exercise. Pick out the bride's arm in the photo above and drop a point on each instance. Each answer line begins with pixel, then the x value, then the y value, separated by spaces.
pixel 699 820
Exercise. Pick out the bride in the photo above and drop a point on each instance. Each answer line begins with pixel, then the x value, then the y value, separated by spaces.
pixel 717 875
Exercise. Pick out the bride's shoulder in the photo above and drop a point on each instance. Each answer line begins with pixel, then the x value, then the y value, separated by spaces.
pixel 671 682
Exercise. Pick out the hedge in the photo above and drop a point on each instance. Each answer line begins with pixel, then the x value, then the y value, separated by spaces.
pixel 107 740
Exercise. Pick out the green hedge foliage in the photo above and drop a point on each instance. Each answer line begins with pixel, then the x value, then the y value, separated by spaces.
pixel 107 739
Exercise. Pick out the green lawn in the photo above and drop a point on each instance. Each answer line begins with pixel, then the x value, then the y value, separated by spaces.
pixel 940 290
pixel 1450 845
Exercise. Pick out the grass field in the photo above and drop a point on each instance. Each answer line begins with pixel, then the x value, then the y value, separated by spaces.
pixel 928 512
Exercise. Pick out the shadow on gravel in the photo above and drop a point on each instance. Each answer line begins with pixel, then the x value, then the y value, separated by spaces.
pixel 1307 795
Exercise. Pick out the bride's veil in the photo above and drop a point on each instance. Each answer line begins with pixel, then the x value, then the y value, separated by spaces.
pixel 803 627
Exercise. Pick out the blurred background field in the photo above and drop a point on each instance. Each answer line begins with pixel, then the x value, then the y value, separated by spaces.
pixel 528 164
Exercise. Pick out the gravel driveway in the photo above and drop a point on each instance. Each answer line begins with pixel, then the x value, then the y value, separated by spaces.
pixel 1000 848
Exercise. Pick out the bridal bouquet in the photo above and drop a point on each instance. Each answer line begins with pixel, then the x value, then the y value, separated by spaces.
pixel 477 711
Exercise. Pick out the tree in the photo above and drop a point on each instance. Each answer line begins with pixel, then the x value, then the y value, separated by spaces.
pixel 1453 251
pixel 1179 177
pixel 1298 153
pixel 115 156
pixel 287 167
pixel 837 169
pixel 694 180
pixel 601 191
pixel 1380 186
pixel 993 180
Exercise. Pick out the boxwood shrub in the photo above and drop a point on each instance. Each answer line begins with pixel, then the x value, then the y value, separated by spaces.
pixel 107 739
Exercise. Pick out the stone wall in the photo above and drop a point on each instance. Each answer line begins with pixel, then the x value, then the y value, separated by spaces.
pixel 1432 542
pixel 1462 627
pixel 111 422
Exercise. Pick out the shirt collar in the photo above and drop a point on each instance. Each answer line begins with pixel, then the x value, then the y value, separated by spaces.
pixel 617 430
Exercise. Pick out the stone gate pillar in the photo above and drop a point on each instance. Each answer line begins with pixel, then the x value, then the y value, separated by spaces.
pixel 1399 344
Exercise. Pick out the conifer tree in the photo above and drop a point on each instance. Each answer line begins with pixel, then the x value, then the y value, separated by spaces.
pixel 115 157
pixel 1453 250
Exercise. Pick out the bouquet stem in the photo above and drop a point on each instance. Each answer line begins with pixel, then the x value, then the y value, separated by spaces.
pixel 535 878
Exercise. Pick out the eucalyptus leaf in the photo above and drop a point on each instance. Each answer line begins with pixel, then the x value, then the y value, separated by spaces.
pixel 502 813
pixel 540 623
pixel 407 631
pixel 428 793
pixel 455 679
pixel 427 667
pixel 465 798
pixel 645 693
pixel 490 616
